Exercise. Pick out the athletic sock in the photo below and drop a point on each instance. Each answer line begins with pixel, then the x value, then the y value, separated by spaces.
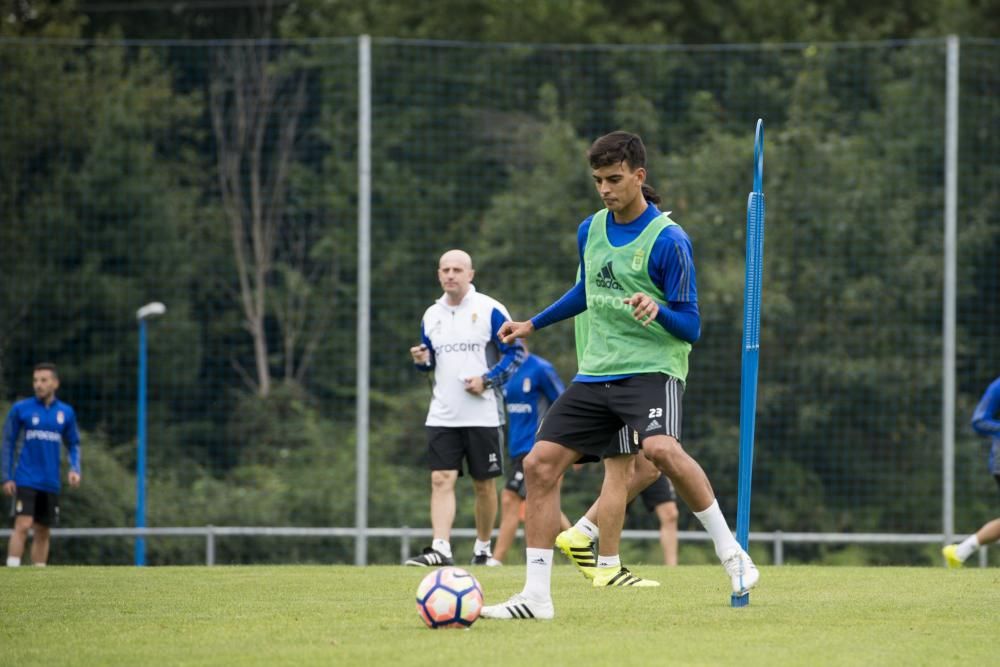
pixel 39 564
pixel 588 528
pixel 482 547
pixel 609 561
pixel 715 524
pixel 13 562
pixel 443 547
pixel 967 547
pixel 538 582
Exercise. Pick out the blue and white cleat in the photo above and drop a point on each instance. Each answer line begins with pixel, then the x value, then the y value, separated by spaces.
pixel 741 571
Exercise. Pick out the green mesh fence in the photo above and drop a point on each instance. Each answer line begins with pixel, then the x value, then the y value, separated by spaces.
pixel 221 179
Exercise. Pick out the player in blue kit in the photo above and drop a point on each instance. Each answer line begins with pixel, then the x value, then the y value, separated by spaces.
pixel 528 393
pixel 985 422
pixel 33 483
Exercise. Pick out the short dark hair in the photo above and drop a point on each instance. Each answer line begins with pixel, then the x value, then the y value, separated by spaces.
pixel 618 146
pixel 621 146
pixel 47 366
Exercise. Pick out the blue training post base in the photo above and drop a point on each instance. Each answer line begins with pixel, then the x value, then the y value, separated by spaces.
pixel 740 600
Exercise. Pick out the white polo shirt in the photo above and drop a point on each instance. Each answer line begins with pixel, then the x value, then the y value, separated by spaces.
pixel 464 344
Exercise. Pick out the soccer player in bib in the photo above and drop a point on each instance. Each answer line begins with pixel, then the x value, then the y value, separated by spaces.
pixel 637 284
pixel 33 483
pixel 459 343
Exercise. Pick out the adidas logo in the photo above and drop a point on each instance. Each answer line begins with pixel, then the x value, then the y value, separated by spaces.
pixel 494 467
pixel 653 425
pixel 539 561
pixel 606 279
pixel 519 611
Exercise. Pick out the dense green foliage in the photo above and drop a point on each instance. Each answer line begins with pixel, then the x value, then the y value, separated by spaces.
pixel 111 195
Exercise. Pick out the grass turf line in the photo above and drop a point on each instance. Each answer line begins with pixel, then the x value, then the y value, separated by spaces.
pixel 343 615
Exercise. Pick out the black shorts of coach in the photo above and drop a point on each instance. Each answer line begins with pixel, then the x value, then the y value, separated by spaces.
pixel 480 447
pixel 588 415
pixel 42 506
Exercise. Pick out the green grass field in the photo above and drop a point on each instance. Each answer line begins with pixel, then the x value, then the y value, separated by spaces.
pixel 317 615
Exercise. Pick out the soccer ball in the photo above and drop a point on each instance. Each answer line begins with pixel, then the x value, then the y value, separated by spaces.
pixel 449 597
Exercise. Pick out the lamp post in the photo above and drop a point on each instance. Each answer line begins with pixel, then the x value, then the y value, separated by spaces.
pixel 154 309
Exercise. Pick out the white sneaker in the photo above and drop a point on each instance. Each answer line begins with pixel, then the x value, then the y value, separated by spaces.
pixel 741 571
pixel 519 607
pixel 493 562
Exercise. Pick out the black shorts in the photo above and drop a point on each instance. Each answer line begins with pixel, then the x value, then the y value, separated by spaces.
pixel 515 481
pixel 625 441
pixel 588 414
pixel 659 492
pixel 480 446
pixel 42 506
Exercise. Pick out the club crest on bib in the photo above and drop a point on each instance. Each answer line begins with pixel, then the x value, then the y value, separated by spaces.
pixel 34 420
pixel 637 259
pixel 60 417
pixel 526 385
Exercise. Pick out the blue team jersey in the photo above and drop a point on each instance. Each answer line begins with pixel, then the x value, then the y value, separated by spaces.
pixel 528 393
pixel 986 421
pixel 45 430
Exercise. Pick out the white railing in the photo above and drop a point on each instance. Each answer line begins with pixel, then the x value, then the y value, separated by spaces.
pixel 778 539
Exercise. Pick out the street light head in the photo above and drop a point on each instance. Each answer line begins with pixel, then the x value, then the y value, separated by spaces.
pixel 153 309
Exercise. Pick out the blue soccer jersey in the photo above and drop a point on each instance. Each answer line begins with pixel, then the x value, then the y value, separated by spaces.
pixel 528 393
pixel 986 421
pixel 45 430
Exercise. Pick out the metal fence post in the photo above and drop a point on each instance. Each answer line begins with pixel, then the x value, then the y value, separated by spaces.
pixel 950 291
pixel 210 545
pixel 404 544
pixel 364 297
pixel 779 548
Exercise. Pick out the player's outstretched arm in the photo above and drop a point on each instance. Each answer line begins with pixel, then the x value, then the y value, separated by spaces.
pixel 511 331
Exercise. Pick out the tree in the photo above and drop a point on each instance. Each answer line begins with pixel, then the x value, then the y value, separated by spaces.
pixel 256 108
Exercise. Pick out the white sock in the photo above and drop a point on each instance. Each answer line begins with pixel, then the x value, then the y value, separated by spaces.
pixel 715 524
pixel 39 564
pixel 538 583
pixel 443 547
pixel 588 528
pixel 967 547
pixel 482 547
pixel 609 561
pixel 13 561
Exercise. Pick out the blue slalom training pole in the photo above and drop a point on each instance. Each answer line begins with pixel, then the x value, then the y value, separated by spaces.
pixel 751 344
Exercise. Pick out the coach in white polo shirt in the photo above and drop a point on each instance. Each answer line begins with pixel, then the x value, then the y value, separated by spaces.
pixel 459 344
